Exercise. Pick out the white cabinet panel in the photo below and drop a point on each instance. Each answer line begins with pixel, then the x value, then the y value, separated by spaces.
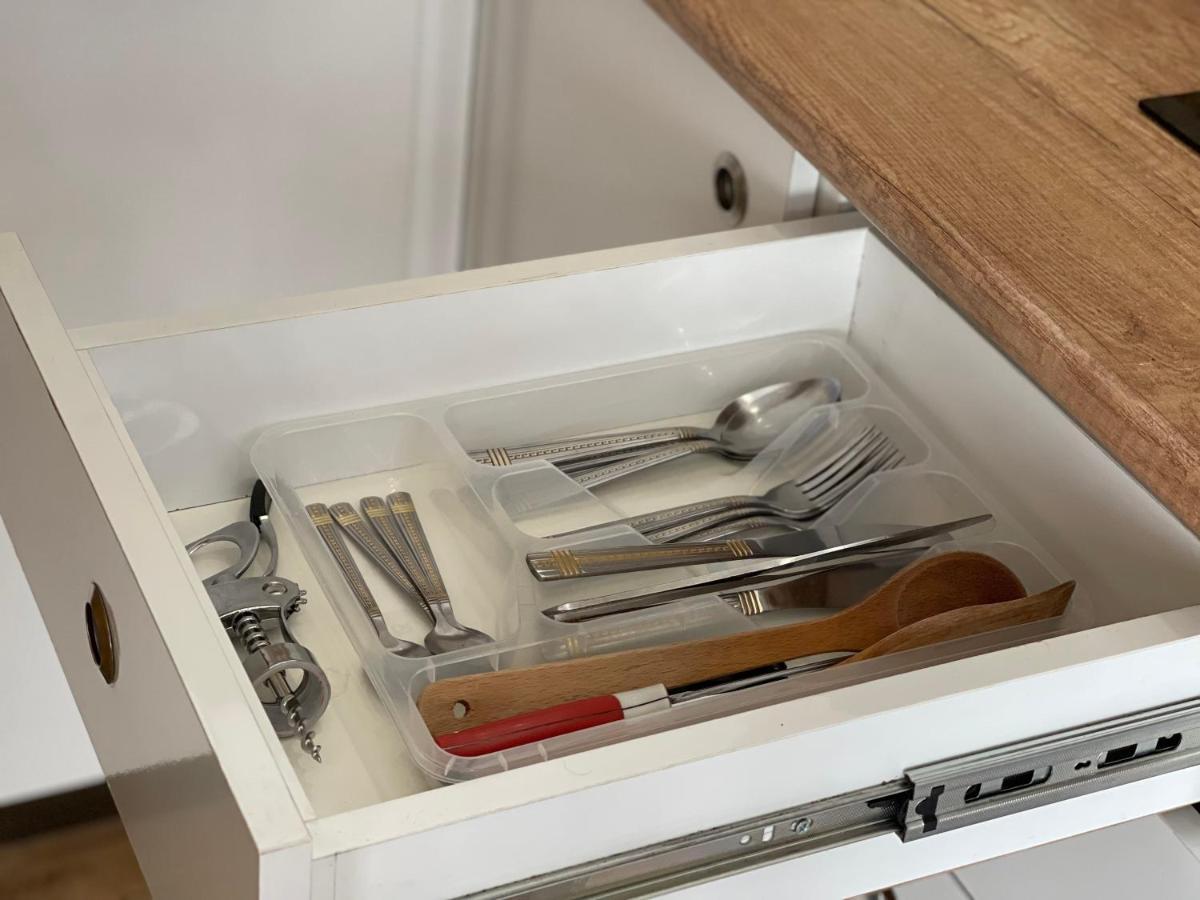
pixel 596 126
pixel 1142 858
pixel 306 145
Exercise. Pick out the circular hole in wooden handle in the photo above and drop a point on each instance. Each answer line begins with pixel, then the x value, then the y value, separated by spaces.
pixel 101 634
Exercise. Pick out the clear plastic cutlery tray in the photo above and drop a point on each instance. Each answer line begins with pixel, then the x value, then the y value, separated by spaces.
pixel 482 520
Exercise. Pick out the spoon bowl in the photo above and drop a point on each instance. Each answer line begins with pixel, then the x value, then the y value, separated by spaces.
pixel 750 422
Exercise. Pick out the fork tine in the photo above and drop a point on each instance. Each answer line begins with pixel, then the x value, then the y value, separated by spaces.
pixel 880 462
pixel 830 460
pixel 882 465
pixel 848 464
pixel 852 471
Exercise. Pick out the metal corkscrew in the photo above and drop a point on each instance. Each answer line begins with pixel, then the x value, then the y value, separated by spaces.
pixel 245 603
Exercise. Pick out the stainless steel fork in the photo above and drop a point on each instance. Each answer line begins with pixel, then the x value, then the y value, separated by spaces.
pixel 836 473
pixel 793 503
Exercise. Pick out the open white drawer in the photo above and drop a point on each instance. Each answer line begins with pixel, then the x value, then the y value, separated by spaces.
pixel 215 805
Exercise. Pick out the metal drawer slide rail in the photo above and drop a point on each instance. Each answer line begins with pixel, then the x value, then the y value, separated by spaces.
pixel 928 800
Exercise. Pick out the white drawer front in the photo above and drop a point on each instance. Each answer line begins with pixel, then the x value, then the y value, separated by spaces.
pixel 591 310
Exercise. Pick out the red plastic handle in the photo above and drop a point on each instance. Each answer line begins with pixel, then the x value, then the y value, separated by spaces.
pixel 530 727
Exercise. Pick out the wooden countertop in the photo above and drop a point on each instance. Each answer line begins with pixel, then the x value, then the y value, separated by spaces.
pixel 999 145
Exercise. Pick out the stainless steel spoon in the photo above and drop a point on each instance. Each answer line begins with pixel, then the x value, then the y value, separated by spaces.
pixel 322 519
pixel 448 633
pixel 746 425
pixel 743 429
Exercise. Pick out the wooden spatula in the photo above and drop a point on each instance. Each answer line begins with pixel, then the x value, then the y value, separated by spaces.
pixel 926 588
pixel 566 718
pixel 971 620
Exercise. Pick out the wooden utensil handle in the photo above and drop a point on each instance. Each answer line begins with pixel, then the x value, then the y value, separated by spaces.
pixel 496 695
pixel 538 725
pixel 556 565
pixel 925 588
pixel 567 718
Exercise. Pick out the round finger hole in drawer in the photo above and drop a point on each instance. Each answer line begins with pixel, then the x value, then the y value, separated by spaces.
pixel 101 634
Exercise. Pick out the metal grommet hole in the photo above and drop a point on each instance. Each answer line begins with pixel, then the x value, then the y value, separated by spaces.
pixel 723 183
pixel 101 634
pixel 729 187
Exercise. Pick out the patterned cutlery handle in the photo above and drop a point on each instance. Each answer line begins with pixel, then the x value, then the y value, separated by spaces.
pixel 739 527
pixel 669 517
pixel 376 510
pixel 352 523
pixel 703 528
pixel 581 448
pixel 657 522
pixel 642 461
pixel 556 565
pixel 401 505
pixel 323 520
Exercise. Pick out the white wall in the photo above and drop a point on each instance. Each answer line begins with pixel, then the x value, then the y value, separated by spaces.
pixel 162 155
pixel 158 156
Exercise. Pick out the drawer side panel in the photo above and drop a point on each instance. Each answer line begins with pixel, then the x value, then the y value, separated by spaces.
pixel 187 826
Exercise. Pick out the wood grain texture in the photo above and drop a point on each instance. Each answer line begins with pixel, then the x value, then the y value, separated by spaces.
pixel 83 862
pixel 998 144
pixel 925 588
pixel 971 620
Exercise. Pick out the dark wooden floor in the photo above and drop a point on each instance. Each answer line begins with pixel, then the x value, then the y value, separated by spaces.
pixel 88 861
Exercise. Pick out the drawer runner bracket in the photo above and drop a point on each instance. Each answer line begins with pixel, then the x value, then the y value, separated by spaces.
pixel 1009 779
pixel 928 800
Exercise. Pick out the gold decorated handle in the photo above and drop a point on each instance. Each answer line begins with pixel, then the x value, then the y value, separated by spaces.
pixel 352 523
pixel 376 510
pixel 401 505
pixel 323 520
pixel 574 449
pixel 557 565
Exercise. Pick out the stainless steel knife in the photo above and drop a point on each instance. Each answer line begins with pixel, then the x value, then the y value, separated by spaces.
pixel 828 585
pixel 824 542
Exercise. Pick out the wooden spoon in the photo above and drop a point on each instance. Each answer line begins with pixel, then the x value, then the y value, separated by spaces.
pixel 926 588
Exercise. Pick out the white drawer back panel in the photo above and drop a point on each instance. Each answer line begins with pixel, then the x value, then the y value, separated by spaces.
pixel 193 403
